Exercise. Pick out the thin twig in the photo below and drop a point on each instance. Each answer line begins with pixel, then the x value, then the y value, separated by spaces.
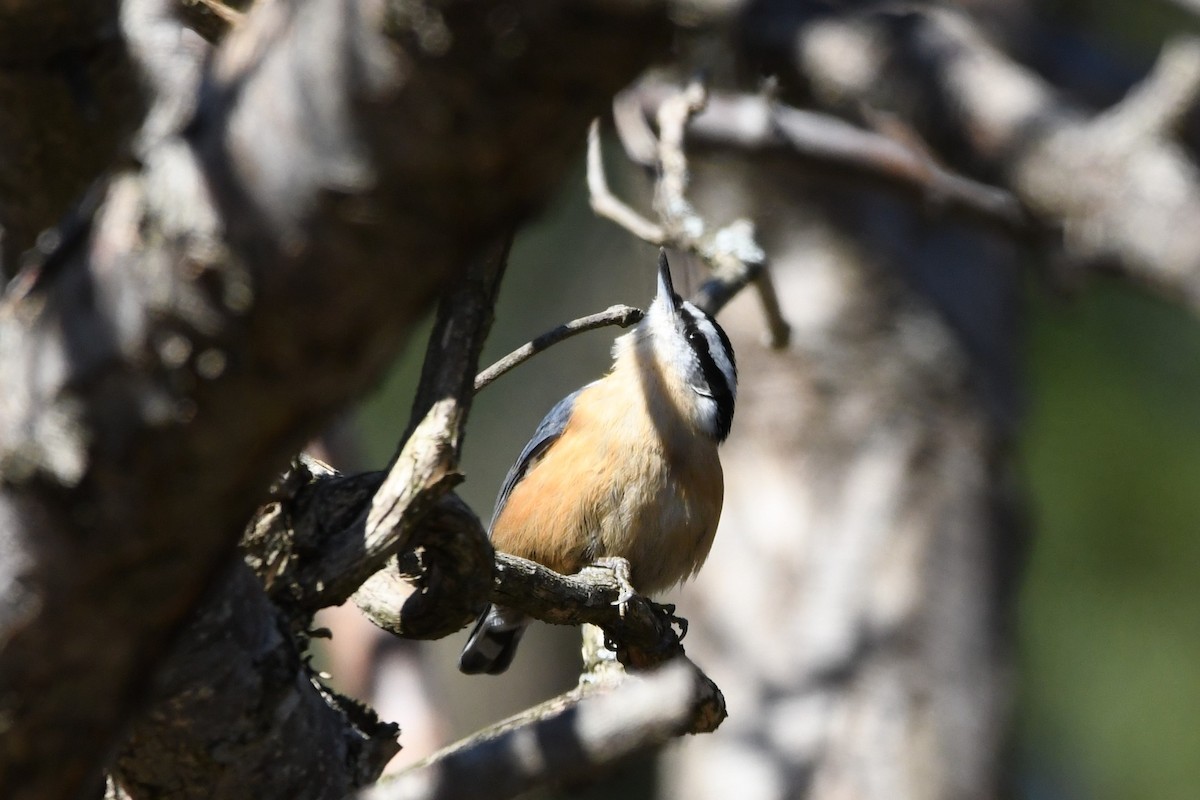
pixel 678 215
pixel 606 204
pixel 778 330
pixel 230 16
pixel 731 253
pixel 633 128
pixel 1159 102
pixel 619 315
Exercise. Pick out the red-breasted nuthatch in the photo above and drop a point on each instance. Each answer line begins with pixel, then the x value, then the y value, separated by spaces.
pixel 626 466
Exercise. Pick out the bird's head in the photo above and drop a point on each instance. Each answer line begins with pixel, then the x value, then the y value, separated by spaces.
pixel 693 354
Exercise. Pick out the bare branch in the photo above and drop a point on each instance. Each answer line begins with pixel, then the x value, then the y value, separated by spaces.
pixel 755 124
pixel 1124 193
pixel 311 571
pixel 452 356
pixel 410 599
pixel 670 201
pixel 606 204
pixel 633 128
pixel 1157 106
pixel 439 583
pixel 643 634
pixel 570 737
pixel 640 635
pixel 426 465
pixel 732 253
pixel 209 701
pixel 620 315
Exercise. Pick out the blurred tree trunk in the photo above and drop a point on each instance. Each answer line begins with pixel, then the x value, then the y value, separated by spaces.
pixel 854 608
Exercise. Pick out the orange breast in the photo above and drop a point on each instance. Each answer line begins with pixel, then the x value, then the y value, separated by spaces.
pixel 615 484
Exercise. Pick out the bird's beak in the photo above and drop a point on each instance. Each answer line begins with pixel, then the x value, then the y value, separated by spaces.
pixel 666 290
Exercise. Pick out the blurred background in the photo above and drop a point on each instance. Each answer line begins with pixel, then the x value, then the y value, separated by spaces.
pixel 1108 627
pixel 1092 397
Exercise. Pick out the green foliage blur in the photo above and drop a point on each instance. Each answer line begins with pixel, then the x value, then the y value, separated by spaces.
pixel 1109 615
pixel 1109 623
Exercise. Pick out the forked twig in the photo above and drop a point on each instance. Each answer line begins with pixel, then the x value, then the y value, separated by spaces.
pixel 731 253
pixel 608 205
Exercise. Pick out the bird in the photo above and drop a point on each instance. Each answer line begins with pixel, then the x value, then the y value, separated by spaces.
pixel 625 467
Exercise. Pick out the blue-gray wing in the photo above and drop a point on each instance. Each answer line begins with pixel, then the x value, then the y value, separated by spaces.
pixel 547 433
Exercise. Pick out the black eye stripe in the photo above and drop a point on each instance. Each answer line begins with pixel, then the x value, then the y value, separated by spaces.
pixel 722 392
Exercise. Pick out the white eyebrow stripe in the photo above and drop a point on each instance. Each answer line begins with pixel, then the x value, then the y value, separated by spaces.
pixel 720 355
pixel 718 351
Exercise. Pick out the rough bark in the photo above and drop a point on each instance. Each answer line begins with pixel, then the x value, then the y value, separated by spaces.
pixel 257 270
pixel 234 713
pixel 284 724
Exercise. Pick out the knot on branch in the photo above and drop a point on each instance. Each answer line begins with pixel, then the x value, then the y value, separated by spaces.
pixel 435 585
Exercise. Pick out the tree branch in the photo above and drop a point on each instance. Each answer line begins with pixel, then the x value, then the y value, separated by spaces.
pixel 238 671
pixel 642 633
pixel 759 124
pixel 1123 192
pixel 731 253
pixel 438 584
pixel 620 315
pixel 608 205
pixel 167 366
pixel 568 738
pixel 426 465
pixel 432 594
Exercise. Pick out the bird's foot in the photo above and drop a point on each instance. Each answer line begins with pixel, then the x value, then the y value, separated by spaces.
pixel 621 573
pixel 669 610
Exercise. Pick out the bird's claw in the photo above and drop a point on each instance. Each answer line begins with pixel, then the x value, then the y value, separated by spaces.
pixel 621 573
pixel 669 610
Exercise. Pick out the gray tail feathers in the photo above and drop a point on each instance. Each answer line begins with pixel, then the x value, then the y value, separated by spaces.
pixel 494 641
